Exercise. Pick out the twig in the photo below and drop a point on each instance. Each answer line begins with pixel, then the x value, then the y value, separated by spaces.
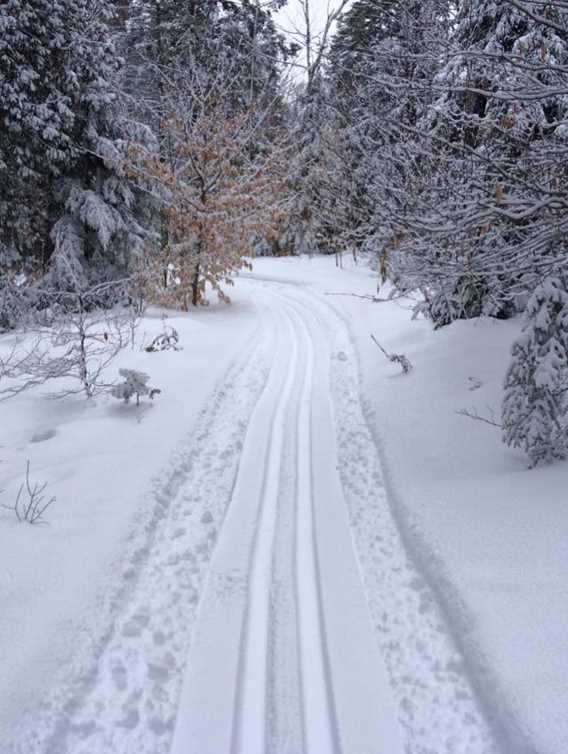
pixel 167 340
pixel 398 358
pixel 474 415
pixel 367 297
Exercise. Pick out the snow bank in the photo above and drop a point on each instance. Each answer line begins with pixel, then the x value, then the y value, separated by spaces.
pixel 490 534
pixel 57 581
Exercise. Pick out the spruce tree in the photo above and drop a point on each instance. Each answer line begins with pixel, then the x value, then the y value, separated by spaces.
pixel 36 122
pixel 535 404
pixel 67 206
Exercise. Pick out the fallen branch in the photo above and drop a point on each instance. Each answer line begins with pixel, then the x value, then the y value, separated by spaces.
pixel 476 417
pixel 367 297
pixel 398 358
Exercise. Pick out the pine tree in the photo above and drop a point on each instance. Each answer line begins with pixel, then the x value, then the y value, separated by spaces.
pixel 66 204
pixel 303 233
pixel 36 121
pixel 535 405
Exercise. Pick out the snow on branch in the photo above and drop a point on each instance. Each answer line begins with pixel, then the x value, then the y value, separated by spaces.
pixel 397 358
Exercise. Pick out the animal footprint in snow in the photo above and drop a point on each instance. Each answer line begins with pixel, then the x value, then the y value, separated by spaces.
pixel 44 435
pixel 158 672
pixel 341 356
pixel 136 624
pixel 130 720
pixel 160 727
pixel 474 383
pixel 120 677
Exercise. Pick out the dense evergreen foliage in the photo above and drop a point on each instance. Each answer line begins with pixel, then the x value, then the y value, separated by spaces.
pixel 68 213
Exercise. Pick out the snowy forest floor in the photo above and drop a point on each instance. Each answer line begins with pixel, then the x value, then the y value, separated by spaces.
pixel 295 549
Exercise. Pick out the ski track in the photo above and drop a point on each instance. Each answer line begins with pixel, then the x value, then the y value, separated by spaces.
pixel 277 610
pixel 251 734
pixel 251 729
pixel 319 722
pixel 242 722
pixel 127 703
pixel 437 707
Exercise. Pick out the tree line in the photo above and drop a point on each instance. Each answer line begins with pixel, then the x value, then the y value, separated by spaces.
pixel 161 143
pixel 139 139
pixel 442 152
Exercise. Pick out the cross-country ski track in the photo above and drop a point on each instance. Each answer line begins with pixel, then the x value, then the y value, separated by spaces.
pixel 274 608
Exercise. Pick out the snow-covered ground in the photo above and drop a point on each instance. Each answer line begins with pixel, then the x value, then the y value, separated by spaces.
pixel 294 549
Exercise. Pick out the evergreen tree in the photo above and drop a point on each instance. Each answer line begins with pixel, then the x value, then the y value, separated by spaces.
pixel 303 234
pixel 535 405
pixel 36 119
pixel 66 204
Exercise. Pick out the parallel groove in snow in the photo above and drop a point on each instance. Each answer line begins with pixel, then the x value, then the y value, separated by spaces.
pixel 250 715
pixel 347 702
pixel 438 707
pixel 229 683
pixel 208 719
pixel 319 732
pixel 246 554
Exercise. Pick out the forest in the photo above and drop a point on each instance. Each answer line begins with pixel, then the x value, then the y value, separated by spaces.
pixel 149 148
pixel 283 376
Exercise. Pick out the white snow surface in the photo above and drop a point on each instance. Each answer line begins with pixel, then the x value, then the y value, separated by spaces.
pixel 294 550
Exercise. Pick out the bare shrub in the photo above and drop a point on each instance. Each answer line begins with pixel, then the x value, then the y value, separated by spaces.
pixel 31 501
pixel 78 341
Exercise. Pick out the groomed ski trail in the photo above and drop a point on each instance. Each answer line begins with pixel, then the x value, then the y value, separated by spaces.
pixel 276 610
pixel 229 702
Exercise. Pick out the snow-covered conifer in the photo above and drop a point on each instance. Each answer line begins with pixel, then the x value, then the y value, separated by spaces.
pixel 135 384
pixel 535 404
pixel 66 204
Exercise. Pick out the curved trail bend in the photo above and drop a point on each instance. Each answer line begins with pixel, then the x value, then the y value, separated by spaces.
pixel 276 610
pixel 292 653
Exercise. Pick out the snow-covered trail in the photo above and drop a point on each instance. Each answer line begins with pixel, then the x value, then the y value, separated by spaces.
pixel 276 610
pixel 232 701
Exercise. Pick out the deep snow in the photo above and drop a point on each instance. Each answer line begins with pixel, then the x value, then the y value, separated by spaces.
pixel 85 662
pixel 488 533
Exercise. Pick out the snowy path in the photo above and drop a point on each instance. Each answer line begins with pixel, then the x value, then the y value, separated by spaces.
pixel 276 610
pixel 228 703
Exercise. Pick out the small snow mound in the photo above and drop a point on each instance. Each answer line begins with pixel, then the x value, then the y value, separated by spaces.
pixel 46 434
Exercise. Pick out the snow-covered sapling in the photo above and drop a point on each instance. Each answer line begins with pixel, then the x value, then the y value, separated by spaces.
pixel 397 358
pixel 166 341
pixel 535 405
pixel 135 384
